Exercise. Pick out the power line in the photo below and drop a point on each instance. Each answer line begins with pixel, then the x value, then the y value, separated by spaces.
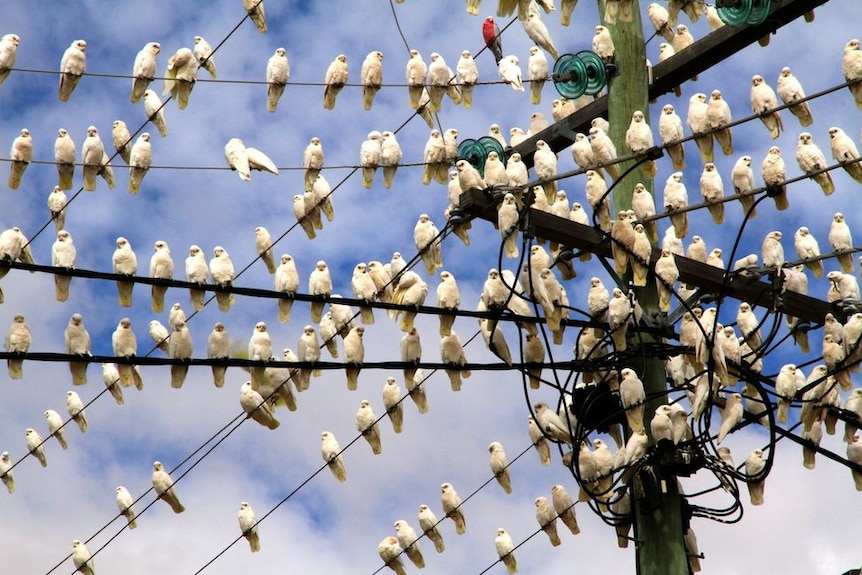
pixel 302 484
pixel 224 168
pixel 203 80
pixel 50 357
pixel 464 500
pixel 271 294
pixel 238 420
pixel 557 177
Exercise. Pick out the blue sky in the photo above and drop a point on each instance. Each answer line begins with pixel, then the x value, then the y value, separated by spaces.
pixel 327 526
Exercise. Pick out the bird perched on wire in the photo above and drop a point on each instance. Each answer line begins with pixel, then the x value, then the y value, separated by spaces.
pixel 851 67
pixel 18 341
pixel 204 54
pixel 366 425
pixel 841 240
pixel 545 165
pixel 408 540
pixel 63 254
pixel 125 262
pixel 257 407
pixel 754 466
pixel 440 82
pixel 774 174
pixel 20 155
pixel 312 160
pixel 582 152
pixel 140 159
pixel 623 236
pixel 416 72
pixel 392 403
pixel 435 166
pixel 844 151
pixel 72 67
pixel 643 205
pixel 8 51
pixel 426 236
pixel 155 111
pixel 330 450
pixel 451 503
pixel 712 191
pixel 811 160
pixel 180 76
pixel 91 158
pixel 537 73
pixel 667 274
pixel 639 139
pixel 218 347
pixel 659 18
pixel 491 35
pixel 277 76
pixel 699 126
pixel 807 247
pixel 790 90
pixel 222 273
pixel 763 99
pixel 371 76
pixel 390 552
pixel 180 347
pixel 500 465
pixel 248 526
pixel 742 178
pixel 335 79
pixel 506 550
pixel 676 198
pixel 121 137
pixel 539 33
pixel 566 9
pixel 604 151
pixel 82 558
pixel 452 354
pixel 772 251
pixel 64 155
pixel 510 71
pixel 75 409
pixel 164 486
pixel 124 503
pixel 77 342
pixel 287 281
pixel 144 70
pixel 256 13
pixel 718 116
pixel 354 355
pixel 468 75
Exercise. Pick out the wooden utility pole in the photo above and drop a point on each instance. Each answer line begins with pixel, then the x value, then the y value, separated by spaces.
pixel 659 545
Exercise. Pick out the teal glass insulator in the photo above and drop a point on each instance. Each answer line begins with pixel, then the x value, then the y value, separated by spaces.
pixel 570 76
pixel 597 77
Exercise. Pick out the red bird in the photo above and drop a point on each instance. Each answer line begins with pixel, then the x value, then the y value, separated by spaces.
pixel 491 34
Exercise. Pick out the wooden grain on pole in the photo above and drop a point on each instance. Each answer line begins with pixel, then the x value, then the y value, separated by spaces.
pixel 659 528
